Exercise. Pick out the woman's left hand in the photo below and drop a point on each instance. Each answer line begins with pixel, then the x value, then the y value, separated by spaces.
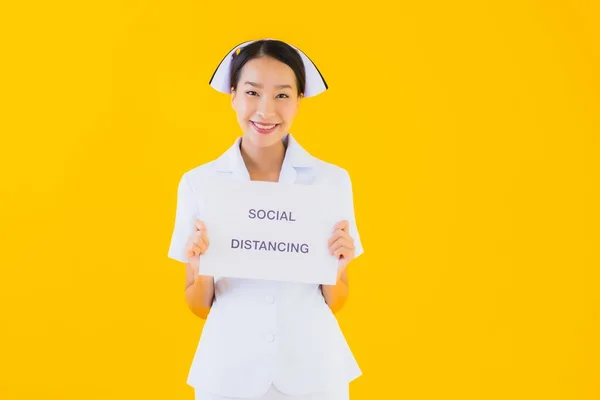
pixel 341 245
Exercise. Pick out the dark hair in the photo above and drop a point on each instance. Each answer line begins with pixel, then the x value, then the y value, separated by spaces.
pixel 279 50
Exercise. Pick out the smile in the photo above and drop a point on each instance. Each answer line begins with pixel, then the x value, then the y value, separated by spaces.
pixel 264 128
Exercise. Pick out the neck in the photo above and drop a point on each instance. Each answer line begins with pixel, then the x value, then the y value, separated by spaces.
pixel 263 163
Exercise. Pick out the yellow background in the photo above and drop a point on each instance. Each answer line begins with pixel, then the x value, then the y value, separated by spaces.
pixel 470 129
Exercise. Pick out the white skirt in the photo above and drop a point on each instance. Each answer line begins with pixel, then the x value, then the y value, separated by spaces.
pixel 275 394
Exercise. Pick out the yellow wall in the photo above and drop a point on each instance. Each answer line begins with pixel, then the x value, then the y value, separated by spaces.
pixel 479 279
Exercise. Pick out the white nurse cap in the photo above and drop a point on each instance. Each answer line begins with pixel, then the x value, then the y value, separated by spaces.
pixel 315 83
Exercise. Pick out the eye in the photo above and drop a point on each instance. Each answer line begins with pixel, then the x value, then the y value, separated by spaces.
pixel 282 94
pixel 251 92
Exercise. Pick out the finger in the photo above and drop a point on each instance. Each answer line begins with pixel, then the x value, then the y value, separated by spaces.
pixel 189 252
pixel 341 242
pixel 200 247
pixel 195 251
pixel 204 237
pixel 338 233
pixel 200 236
pixel 343 225
pixel 200 225
pixel 197 244
pixel 196 236
pixel 344 252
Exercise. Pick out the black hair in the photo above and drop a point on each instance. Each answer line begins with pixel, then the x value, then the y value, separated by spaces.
pixel 276 49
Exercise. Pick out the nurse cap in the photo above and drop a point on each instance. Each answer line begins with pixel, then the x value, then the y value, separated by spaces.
pixel 315 83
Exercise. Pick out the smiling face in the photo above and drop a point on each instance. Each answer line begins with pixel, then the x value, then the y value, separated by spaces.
pixel 266 100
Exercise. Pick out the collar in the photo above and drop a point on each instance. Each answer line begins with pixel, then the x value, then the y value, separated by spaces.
pixel 295 157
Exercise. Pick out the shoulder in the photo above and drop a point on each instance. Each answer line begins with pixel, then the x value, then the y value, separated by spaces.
pixel 331 173
pixel 202 170
pixel 325 171
pixel 194 178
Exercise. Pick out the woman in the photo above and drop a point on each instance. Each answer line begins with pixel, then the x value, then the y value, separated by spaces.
pixel 266 339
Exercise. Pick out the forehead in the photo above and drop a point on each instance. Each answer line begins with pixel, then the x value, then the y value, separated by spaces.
pixel 267 71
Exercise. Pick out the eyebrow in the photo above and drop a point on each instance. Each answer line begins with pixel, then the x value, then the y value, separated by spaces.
pixel 260 86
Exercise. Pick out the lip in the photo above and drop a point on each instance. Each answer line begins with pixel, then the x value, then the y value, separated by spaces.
pixel 266 123
pixel 264 131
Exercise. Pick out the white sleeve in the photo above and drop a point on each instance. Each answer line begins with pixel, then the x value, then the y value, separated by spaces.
pixel 185 214
pixel 353 231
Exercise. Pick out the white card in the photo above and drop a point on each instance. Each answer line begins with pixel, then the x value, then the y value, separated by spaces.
pixel 270 231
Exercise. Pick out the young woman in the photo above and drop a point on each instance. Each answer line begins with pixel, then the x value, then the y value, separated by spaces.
pixel 266 339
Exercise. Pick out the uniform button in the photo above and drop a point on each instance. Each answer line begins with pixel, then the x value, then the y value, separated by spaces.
pixel 270 299
pixel 270 338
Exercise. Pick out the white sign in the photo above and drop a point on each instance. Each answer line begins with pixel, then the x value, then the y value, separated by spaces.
pixel 271 231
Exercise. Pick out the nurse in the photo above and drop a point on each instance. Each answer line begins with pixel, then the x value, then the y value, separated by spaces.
pixel 265 339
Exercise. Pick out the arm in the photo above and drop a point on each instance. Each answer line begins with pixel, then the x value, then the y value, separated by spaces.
pixel 336 295
pixel 199 292
pixel 341 246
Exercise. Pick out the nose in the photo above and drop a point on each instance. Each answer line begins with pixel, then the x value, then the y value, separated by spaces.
pixel 266 108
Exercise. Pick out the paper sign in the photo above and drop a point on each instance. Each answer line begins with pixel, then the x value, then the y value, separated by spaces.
pixel 270 231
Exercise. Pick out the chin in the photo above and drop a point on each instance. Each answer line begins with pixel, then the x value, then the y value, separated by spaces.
pixel 264 140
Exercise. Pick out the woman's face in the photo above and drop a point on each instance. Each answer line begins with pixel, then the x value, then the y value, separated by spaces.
pixel 266 100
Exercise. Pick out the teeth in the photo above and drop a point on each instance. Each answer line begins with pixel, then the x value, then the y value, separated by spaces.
pixel 264 126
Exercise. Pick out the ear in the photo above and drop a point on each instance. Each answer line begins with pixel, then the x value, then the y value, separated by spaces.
pixel 233 95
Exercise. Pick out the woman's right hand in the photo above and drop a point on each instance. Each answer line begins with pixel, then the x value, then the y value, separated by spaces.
pixel 197 245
